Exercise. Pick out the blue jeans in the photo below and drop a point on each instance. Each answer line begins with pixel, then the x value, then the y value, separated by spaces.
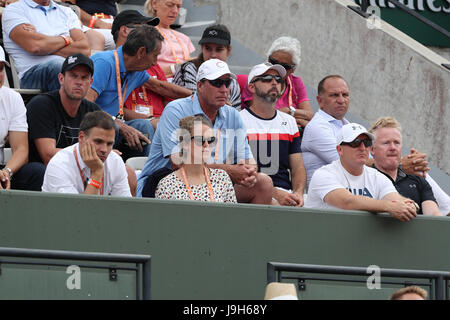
pixel 43 76
pixel 143 126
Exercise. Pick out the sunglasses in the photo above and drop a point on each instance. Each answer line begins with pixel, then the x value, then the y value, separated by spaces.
pixel 268 78
pixel 357 142
pixel 218 83
pixel 284 65
pixel 200 140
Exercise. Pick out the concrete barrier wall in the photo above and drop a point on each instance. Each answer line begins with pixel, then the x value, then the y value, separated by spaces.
pixel 389 74
pixel 217 251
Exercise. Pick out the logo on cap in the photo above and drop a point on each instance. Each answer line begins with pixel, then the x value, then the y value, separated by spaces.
pixel 71 59
pixel 356 128
pixel 213 33
pixel 220 64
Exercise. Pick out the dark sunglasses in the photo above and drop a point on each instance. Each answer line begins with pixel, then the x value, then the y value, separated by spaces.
pixel 200 140
pixel 268 78
pixel 218 83
pixel 357 142
pixel 284 65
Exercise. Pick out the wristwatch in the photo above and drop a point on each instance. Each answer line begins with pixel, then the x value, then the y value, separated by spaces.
pixel 292 109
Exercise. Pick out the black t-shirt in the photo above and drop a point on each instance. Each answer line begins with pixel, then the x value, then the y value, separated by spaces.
pixel 98 6
pixel 413 187
pixel 47 118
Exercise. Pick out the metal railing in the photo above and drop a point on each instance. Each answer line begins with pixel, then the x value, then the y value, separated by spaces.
pixel 438 281
pixel 143 277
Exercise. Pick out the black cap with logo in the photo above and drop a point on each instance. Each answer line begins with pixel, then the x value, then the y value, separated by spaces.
pixel 76 60
pixel 215 34
pixel 131 16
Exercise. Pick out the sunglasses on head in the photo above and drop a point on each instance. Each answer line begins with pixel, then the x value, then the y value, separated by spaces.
pixel 357 142
pixel 268 78
pixel 284 65
pixel 218 83
pixel 200 140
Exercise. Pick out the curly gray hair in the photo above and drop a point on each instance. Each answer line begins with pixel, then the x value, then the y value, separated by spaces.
pixel 289 45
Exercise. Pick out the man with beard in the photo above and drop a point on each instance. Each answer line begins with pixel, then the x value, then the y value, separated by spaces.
pixel 273 135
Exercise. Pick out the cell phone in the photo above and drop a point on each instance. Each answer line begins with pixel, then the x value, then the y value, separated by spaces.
pixel 143 142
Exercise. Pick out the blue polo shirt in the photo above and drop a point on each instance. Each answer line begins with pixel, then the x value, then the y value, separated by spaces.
pixel 232 147
pixel 105 81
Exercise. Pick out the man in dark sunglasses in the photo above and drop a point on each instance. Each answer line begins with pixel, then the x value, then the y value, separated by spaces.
pixel 273 135
pixel 348 184
pixel 230 149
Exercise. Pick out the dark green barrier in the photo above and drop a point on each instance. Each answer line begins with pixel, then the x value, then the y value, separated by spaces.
pixel 216 251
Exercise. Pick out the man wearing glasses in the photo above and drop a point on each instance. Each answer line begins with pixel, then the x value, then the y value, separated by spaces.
pixel 348 184
pixel 274 136
pixel 230 152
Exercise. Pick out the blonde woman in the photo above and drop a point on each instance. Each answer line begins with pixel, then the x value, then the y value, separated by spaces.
pixel 194 180
pixel 177 47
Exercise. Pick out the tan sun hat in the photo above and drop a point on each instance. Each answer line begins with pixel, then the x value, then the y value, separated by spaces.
pixel 280 291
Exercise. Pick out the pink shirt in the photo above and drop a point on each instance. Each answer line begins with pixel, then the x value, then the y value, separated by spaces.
pixel 173 39
pixel 298 92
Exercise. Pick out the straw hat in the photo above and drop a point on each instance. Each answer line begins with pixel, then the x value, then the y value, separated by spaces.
pixel 280 291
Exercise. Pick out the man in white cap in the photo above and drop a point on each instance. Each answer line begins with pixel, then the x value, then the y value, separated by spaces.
pixel 15 172
pixel 231 152
pixel 273 136
pixel 348 184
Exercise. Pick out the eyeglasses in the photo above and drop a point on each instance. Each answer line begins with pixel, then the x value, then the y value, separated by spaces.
pixel 218 83
pixel 200 140
pixel 268 78
pixel 357 142
pixel 284 65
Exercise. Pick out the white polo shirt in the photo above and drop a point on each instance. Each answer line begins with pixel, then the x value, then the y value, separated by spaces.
pixel 53 20
pixel 63 176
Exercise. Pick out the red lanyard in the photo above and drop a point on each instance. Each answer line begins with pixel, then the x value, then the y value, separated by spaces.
pixel 188 187
pixel 147 104
pixel 177 60
pixel 119 85
pixel 83 179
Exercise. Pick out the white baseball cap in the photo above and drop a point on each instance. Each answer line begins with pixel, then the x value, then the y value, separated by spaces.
pixel 262 68
pixel 213 69
pixel 2 57
pixel 350 132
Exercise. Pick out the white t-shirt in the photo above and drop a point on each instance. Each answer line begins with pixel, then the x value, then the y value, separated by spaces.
pixel 370 183
pixel 63 176
pixel 13 115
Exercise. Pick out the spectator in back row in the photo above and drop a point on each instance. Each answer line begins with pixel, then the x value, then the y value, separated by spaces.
pixel 38 35
pixel 286 51
pixel 145 102
pixel 349 184
pixel 177 47
pixel 231 152
pixel 215 44
pixel 274 136
pixel 387 154
pixel 15 173
pixel 89 166
pixel 194 180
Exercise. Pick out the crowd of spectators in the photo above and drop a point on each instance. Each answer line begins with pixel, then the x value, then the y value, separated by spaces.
pixel 116 85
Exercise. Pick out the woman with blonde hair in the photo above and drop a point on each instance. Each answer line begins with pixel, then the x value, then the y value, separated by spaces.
pixel 176 47
pixel 194 180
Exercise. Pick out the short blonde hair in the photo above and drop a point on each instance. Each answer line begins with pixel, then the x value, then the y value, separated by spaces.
pixel 411 289
pixel 385 122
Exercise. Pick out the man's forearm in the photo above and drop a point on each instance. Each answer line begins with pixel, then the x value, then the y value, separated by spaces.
pixel 167 89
